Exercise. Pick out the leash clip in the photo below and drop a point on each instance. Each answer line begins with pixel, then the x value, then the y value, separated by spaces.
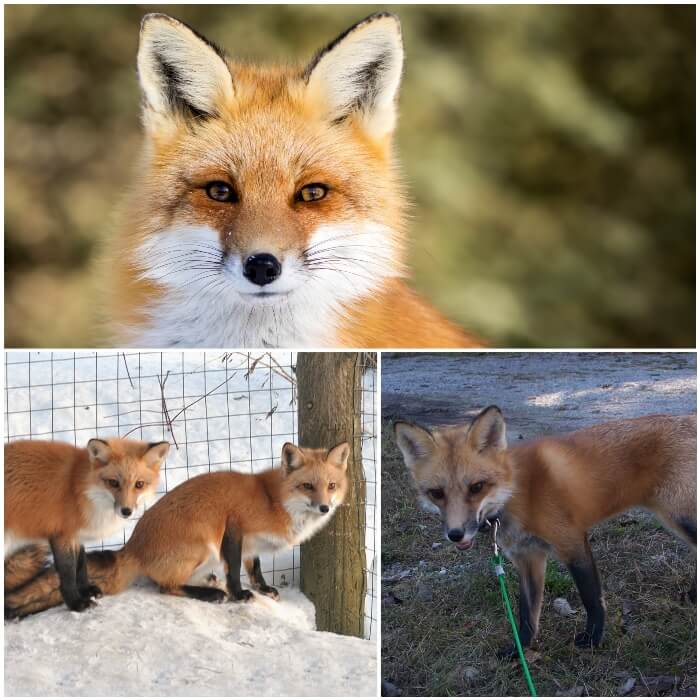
pixel 494 533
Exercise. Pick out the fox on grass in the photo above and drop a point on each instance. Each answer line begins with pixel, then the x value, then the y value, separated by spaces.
pixel 63 495
pixel 267 209
pixel 547 493
pixel 230 516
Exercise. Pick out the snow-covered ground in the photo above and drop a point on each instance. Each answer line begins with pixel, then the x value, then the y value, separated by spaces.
pixel 142 643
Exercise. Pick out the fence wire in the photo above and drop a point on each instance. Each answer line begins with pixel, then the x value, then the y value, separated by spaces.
pixel 220 411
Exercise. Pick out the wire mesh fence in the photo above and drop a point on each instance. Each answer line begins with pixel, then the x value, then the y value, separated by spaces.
pixel 220 411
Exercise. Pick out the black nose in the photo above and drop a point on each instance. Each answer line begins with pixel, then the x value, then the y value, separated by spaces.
pixel 324 509
pixel 126 512
pixel 262 269
pixel 456 535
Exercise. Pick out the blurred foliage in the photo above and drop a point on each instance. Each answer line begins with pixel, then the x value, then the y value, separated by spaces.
pixel 549 151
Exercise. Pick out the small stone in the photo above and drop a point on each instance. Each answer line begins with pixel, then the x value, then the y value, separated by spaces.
pixel 627 686
pixel 578 691
pixel 561 607
pixel 470 674
pixel 436 545
pixel 442 571
pixel 389 690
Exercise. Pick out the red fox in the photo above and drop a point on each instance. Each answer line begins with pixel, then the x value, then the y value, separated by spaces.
pixel 228 515
pixel 549 492
pixel 267 209
pixel 68 495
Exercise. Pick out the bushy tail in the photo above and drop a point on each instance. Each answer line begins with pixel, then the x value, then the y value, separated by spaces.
pixel 24 565
pixel 111 571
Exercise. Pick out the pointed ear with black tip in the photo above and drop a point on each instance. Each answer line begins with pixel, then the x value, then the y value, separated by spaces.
pixel 155 453
pixel 292 457
pixel 415 442
pixel 99 452
pixel 180 72
pixel 338 455
pixel 488 431
pixel 360 72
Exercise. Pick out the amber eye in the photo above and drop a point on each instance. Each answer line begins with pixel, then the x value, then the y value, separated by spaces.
pixel 437 494
pixel 308 486
pixel 475 488
pixel 312 192
pixel 139 485
pixel 221 192
pixel 331 486
pixel 113 483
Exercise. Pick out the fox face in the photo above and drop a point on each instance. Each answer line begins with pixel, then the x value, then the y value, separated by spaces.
pixel 267 189
pixel 459 472
pixel 315 480
pixel 124 473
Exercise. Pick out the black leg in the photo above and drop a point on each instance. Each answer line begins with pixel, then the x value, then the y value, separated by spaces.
pixel 210 594
pixel 86 589
pixel 531 568
pixel 66 562
pixel 585 574
pixel 231 553
pixel 258 580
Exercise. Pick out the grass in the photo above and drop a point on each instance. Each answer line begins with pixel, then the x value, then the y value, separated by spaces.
pixel 450 616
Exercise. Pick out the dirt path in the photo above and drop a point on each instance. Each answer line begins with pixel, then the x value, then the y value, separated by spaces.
pixel 538 392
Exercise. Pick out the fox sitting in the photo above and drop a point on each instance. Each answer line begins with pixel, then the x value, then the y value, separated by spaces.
pixel 267 210
pixel 66 495
pixel 228 515
pixel 549 492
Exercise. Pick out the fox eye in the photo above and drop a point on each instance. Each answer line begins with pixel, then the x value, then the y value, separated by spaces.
pixel 331 485
pixel 221 192
pixel 475 488
pixel 113 483
pixel 312 192
pixel 437 494
pixel 308 486
pixel 139 484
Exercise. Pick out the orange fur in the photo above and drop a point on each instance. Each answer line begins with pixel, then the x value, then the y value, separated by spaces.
pixel 47 484
pixel 186 527
pixel 269 137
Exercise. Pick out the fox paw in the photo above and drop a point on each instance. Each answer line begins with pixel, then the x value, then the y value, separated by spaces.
pixel 81 604
pixel 90 591
pixel 270 592
pixel 243 596
pixel 585 640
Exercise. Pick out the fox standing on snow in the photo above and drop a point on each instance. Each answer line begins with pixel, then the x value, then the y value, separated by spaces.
pixel 267 210
pixel 549 492
pixel 231 516
pixel 67 495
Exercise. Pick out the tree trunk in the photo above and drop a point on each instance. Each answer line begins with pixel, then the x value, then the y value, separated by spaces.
pixel 333 561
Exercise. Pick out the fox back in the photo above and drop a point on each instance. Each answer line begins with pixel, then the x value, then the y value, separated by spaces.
pixel 555 485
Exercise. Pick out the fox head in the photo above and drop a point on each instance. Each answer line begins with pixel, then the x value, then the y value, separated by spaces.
pixel 124 472
pixel 267 185
pixel 460 472
pixel 315 481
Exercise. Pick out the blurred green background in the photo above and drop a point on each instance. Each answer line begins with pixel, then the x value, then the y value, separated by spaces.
pixel 549 151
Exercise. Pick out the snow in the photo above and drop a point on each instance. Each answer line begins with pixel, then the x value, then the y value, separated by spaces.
pixel 142 643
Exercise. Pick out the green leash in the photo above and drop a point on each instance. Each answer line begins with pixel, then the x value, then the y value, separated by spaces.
pixel 497 561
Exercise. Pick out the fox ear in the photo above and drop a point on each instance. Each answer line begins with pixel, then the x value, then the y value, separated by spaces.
pixel 338 455
pixel 414 442
pixel 180 72
pixel 360 72
pixel 99 451
pixel 292 457
pixel 155 453
pixel 488 430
